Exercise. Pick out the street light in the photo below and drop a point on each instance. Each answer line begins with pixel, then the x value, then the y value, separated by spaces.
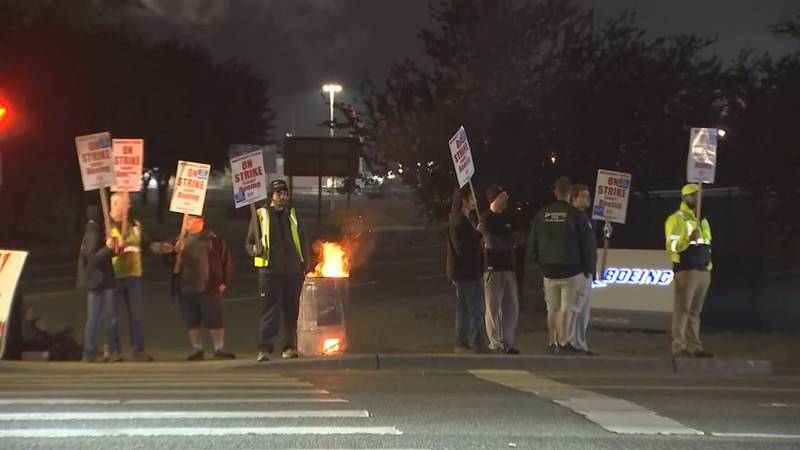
pixel 332 89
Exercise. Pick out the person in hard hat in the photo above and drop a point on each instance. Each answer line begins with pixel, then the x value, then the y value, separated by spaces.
pixel 688 242
pixel 279 250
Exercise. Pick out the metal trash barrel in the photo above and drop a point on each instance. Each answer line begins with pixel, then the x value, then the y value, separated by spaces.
pixel 321 325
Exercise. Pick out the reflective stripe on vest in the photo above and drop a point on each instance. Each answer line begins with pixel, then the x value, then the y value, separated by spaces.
pixel 263 221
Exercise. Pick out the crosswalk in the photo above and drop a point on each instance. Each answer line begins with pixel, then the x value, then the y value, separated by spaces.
pixel 96 406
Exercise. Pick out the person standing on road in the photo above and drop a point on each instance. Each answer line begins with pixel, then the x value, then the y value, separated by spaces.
pixel 500 282
pixel 278 246
pixel 689 245
pixel 560 244
pixel 577 324
pixel 464 271
pixel 203 275
pixel 127 263
pixel 96 276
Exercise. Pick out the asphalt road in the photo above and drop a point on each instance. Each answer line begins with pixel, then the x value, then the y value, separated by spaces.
pixel 230 405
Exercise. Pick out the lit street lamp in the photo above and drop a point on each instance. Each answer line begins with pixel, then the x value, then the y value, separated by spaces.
pixel 332 89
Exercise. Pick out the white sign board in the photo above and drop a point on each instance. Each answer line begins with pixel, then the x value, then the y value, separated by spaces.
pixel 11 263
pixel 636 291
pixel 189 190
pixel 96 160
pixel 701 164
pixel 128 159
pixel 611 196
pixel 249 178
pixel 462 157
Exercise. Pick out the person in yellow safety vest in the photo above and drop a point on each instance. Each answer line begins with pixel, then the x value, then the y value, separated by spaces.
pixel 689 245
pixel 278 247
pixel 127 263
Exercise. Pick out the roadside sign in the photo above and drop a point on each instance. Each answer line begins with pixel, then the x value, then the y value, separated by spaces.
pixel 11 264
pixel 249 178
pixel 701 164
pixel 611 196
pixel 128 158
pixel 462 157
pixel 95 160
pixel 189 190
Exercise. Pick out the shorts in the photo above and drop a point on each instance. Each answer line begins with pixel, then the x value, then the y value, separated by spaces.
pixel 564 292
pixel 204 308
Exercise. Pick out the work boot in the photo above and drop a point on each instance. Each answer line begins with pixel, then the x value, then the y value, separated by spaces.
pixel 290 353
pixel 142 356
pixel 93 359
pixel 460 349
pixel 702 354
pixel 196 355
pixel 551 349
pixel 222 354
pixel 568 349
pixel 512 351
pixel 682 354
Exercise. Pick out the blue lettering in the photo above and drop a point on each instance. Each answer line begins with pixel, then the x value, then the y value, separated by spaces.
pixel 624 276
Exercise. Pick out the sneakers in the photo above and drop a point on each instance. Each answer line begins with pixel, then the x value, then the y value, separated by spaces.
pixel 262 357
pixel 289 353
pixel 114 357
pixel 222 354
pixel 551 349
pixel 196 355
pixel 460 349
pixel 93 359
pixel 512 351
pixel 568 349
pixel 141 356
pixel 702 354
pixel 682 354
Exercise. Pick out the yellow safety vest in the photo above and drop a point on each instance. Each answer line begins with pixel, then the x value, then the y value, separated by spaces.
pixel 128 263
pixel 263 221
pixel 678 230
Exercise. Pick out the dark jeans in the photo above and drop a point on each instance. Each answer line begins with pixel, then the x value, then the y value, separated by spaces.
pixel 470 310
pixel 100 304
pixel 281 295
pixel 129 292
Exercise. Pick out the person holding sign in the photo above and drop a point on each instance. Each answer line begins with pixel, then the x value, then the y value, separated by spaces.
pixel 500 282
pixel 560 244
pixel 577 324
pixel 689 245
pixel 279 250
pixel 127 263
pixel 464 271
pixel 96 277
pixel 204 271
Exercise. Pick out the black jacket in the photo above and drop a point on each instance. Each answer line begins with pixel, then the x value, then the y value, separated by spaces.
pixel 464 255
pixel 562 241
pixel 94 260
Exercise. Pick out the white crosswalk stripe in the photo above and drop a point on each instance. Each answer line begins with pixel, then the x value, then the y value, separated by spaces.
pixel 99 406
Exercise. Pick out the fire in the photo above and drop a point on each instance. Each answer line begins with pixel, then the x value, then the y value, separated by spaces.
pixel 334 262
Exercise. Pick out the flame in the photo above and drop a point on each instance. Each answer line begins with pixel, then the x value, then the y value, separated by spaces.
pixel 334 262
pixel 332 346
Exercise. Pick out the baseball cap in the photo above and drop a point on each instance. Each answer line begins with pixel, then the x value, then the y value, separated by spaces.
pixel 689 189
pixel 278 185
pixel 493 191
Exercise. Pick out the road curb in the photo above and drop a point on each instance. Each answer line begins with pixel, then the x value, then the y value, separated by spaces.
pixel 711 366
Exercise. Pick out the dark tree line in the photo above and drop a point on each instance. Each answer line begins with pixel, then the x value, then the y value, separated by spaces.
pixel 543 90
pixel 73 70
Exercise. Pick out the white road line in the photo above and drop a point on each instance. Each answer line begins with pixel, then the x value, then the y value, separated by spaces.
pixel 147 377
pixel 172 431
pixel 135 385
pixel 170 415
pixel 154 401
pixel 778 405
pixel 250 393
pixel 758 435
pixel 615 415
pixel 630 387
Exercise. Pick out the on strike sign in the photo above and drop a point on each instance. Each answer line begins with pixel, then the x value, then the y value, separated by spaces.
pixel 189 191
pixel 462 157
pixel 11 263
pixel 96 161
pixel 249 178
pixel 702 162
pixel 611 196
pixel 128 158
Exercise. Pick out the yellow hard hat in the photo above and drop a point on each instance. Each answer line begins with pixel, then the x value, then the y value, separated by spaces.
pixel 689 189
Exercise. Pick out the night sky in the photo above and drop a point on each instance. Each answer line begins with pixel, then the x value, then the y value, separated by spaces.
pixel 300 44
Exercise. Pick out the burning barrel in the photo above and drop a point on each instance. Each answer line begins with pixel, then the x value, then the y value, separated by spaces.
pixel 321 325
